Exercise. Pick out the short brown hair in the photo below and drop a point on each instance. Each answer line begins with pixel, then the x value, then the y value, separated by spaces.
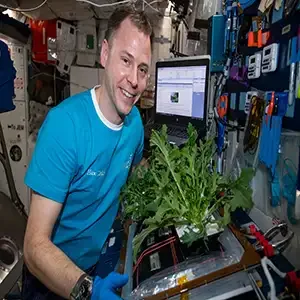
pixel 137 17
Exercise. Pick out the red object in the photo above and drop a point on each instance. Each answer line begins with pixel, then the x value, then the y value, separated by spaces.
pixel 293 282
pixel 267 247
pixel 221 194
pixel 170 241
pixel 222 106
pixel 270 107
pixel 258 39
pixel 252 229
pixel 43 36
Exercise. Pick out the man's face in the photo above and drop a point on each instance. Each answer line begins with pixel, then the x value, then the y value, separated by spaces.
pixel 126 59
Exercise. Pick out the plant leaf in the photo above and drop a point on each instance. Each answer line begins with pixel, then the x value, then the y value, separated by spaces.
pixel 182 185
pixel 241 199
pixel 227 217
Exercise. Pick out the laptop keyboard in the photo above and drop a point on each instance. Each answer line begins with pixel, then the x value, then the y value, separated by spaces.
pixel 172 131
pixel 179 132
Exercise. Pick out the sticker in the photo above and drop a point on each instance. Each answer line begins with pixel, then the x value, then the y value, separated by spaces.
pixel 111 241
pixel 182 280
pixel 155 262
pixel 15 153
pixel 104 249
pixel 164 231
pixel 286 29
pixel 16 127
pixel 150 240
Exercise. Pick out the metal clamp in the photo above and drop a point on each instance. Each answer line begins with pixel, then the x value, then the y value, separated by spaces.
pixel 280 245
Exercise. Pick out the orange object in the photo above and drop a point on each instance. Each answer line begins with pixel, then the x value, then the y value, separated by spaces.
pixel 252 39
pixel 270 107
pixel 182 280
pixel 222 105
pixel 43 37
pixel 265 37
pixel 259 38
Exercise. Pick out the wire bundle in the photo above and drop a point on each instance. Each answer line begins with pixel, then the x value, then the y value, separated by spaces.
pixel 170 241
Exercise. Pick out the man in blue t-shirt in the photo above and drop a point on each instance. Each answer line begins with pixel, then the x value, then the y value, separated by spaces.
pixel 82 158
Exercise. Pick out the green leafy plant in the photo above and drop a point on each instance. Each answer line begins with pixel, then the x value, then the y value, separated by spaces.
pixel 181 187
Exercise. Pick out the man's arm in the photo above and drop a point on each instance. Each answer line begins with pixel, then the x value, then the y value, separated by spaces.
pixel 49 174
pixel 44 260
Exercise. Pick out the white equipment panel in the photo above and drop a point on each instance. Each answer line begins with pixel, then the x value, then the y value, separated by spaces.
pixel 86 42
pixel 15 127
pixel 66 43
pixel 254 67
pixel 17 55
pixel 270 58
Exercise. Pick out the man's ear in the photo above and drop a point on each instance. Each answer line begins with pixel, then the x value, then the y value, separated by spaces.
pixel 104 53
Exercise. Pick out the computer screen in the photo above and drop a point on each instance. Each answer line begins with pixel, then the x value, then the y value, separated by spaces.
pixel 181 91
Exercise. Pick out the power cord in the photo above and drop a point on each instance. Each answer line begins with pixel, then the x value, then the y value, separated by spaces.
pixel 24 9
pixel 106 4
pixel 228 125
pixel 265 262
pixel 218 89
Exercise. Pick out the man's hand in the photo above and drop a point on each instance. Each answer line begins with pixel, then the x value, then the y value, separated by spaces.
pixel 144 163
pixel 106 288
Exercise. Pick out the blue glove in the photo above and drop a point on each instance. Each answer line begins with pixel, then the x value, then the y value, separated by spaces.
pixel 106 288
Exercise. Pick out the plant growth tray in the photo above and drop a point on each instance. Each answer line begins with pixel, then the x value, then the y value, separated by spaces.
pixel 159 276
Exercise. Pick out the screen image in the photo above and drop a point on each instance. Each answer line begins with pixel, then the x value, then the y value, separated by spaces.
pixel 181 91
pixel 175 97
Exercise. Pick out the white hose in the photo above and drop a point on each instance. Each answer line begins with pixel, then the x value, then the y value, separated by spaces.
pixel 265 262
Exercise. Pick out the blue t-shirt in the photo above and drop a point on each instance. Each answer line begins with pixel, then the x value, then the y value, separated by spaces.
pixel 82 161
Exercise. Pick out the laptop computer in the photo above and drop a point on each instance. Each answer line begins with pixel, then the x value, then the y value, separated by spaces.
pixel 181 96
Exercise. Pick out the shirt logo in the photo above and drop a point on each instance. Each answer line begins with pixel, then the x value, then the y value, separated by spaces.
pixel 129 161
pixel 90 172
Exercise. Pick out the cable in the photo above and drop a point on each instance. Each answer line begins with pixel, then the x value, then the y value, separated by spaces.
pixel 61 79
pixel 121 2
pixel 104 5
pixel 152 249
pixel 270 280
pixel 149 4
pixel 155 1
pixel 264 262
pixel 233 127
pixel 218 89
pixel 257 290
pixel 25 9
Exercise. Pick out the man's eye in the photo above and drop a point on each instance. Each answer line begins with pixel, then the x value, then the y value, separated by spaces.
pixel 144 71
pixel 125 60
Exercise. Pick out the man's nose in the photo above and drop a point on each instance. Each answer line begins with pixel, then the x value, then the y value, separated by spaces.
pixel 133 77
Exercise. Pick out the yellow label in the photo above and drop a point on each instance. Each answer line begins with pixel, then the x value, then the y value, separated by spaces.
pixel 184 296
pixel 182 280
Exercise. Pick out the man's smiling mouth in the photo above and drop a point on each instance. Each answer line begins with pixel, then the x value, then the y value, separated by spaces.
pixel 127 94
